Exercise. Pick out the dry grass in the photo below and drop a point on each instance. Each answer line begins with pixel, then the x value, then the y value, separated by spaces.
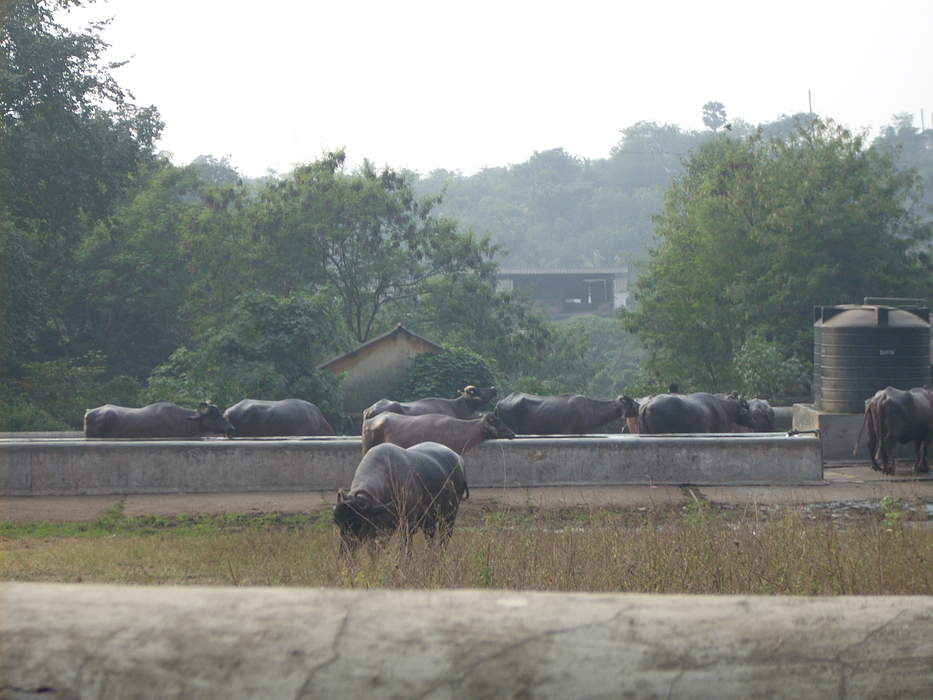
pixel 698 550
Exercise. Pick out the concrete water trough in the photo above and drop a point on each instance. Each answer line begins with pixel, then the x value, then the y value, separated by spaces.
pixel 68 467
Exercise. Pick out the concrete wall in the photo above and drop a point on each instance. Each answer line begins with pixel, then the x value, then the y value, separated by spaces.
pixel 839 433
pixel 91 641
pixel 76 467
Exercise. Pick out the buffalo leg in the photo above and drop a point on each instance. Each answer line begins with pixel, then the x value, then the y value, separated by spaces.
pixel 872 447
pixel 447 526
pixel 888 460
pixel 921 467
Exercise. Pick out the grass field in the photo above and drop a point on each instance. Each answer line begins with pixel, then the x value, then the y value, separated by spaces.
pixel 694 549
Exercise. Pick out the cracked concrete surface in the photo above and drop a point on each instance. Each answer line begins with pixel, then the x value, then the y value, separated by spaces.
pixel 171 642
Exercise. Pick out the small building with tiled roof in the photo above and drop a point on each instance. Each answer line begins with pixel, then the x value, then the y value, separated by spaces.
pixel 372 370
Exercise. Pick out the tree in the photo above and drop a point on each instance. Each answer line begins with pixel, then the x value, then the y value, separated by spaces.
pixel 913 151
pixel 71 144
pixel 444 374
pixel 133 277
pixel 365 235
pixel 756 232
pixel 468 312
pixel 714 115
pixel 268 349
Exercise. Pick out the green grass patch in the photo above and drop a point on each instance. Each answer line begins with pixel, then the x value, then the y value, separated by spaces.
pixel 113 523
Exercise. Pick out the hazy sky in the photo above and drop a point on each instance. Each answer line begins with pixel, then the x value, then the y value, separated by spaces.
pixel 463 85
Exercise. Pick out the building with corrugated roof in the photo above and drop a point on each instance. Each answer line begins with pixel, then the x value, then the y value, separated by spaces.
pixel 568 291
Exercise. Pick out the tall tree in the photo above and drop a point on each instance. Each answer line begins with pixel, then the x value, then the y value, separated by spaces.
pixel 268 348
pixel 759 230
pixel 365 235
pixel 714 115
pixel 134 280
pixel 71 144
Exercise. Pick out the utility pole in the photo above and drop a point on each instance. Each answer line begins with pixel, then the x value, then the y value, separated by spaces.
pixel 810 101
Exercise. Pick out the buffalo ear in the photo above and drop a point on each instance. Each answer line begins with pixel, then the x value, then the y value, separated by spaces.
pixel 470 390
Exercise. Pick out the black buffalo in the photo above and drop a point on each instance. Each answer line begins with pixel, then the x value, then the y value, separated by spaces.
pixel 468 401
pixel 898 416
pixel 418 488
pixel 157 420
pixel 254 418
pixel 693 413
pixel 761 418
pixel 457 434
pixel 567 414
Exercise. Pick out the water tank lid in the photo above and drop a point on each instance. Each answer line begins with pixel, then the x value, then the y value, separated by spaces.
pixel 857 316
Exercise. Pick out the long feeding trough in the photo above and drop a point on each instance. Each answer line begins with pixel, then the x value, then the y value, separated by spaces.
pixel 105 467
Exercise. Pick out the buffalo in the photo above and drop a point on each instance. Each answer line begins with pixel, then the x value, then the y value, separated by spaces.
pixel 898 416
pixel 157 420
pixel 567 414
pixel 253 418
pixel 415 488
pixel 469 400
pixel 693 413
pixel 457 434
pixel 761 416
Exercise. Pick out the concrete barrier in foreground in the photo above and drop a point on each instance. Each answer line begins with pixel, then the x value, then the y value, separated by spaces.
pixel 93 641
pixel 106 467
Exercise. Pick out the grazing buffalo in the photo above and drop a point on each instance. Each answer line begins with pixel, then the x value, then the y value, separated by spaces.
pixel 898 416
pixel 253 418
pixel 468 401
pixel 418 488
pixel 693 413
pixel 459 435
pixel 568 414
pixel 157 420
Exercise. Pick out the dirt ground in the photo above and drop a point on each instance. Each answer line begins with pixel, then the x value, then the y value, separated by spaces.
pixel 841 485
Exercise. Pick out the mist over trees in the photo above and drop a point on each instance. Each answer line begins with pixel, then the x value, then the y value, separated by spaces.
pixel 127 279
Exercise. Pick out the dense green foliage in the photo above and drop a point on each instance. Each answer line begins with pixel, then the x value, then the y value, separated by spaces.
pixel 126 279
pixel 267 349
pixel 759 230
pixel 589 355
pixel 444 374
pixel 71 144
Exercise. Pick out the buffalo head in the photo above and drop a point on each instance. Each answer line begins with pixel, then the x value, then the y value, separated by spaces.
pixel 761 416
pixel 628 406
pixel 359 518
pixel 494 427
pixel 479 395
pixel 210 420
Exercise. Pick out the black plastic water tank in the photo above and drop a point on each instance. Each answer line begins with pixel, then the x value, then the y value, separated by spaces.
pixel 858 350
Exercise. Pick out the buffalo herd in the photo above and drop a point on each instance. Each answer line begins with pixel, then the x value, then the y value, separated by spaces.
pixel 412 477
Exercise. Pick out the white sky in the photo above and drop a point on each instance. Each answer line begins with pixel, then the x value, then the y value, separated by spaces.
pixel 463 85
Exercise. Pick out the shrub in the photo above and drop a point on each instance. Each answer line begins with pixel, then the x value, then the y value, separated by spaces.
pixel 444 374
pixel 17 414
pixel 764 371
